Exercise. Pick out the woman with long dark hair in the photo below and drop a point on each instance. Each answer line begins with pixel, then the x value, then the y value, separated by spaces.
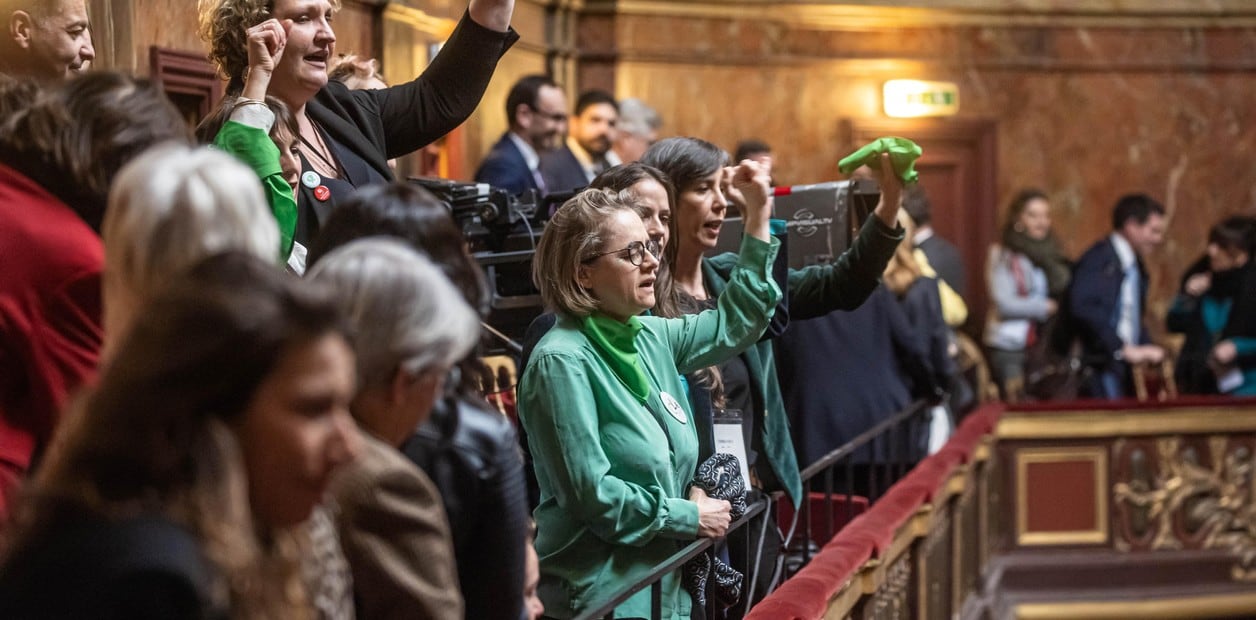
pixel 178 488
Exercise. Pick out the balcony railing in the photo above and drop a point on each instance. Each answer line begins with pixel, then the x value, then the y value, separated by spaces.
pixel 870 463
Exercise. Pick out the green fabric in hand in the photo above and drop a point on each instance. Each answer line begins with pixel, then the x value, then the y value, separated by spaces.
pixel 903 156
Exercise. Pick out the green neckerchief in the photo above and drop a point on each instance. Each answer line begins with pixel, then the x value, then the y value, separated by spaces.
pixel 903 156
pixel 617 341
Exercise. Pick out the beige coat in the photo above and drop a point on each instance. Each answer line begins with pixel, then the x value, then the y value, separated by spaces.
pixel 396 537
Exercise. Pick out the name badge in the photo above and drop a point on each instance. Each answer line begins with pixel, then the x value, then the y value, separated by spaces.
pixel 730 440
pixel 673 407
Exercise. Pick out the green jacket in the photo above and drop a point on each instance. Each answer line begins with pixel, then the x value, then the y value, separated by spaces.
pixel 614 475
pixel 254 147
pixel 815 291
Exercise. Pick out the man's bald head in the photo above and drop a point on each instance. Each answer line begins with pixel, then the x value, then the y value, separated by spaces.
pixel 45 39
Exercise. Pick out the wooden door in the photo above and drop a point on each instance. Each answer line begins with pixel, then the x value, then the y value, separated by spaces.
pixel 958 171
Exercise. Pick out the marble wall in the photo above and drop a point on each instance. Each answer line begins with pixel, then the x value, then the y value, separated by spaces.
pixel 1088 105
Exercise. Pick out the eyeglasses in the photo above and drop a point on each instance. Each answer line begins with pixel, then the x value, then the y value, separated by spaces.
pixel 557 117
pixel 635 250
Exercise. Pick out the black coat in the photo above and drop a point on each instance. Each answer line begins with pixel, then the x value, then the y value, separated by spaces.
pixel 946 260
pixel 472 456
pixel 505 167
pixel 845 372
pixel 562 171
pixel 129 569
pixel 378 125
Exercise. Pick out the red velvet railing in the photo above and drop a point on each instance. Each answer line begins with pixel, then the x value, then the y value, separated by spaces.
pixel 806 596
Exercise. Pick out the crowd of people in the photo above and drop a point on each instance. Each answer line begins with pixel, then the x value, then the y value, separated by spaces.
pixel 239 365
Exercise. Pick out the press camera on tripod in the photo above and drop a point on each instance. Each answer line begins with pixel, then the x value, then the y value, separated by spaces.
pixel 502 231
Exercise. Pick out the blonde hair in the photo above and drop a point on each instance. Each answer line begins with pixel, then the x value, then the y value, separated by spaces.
pixel 168 209
pixel 902 271
pixel 576 232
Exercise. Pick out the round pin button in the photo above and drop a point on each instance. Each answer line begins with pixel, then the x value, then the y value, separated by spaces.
pixel 322 193
pixel 310 179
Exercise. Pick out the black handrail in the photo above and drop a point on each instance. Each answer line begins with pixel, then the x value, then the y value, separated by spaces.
pixel 823 466
pixel 829 460
pixel 677 560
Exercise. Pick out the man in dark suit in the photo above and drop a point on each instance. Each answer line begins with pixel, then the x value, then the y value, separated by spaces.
pixel 943 256
pixel 536 109
pixel 1108 293
pixel 587 152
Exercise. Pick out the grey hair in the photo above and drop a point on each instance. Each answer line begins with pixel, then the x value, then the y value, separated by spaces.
pixel 637 118
pixel 170 208
pixel 404 312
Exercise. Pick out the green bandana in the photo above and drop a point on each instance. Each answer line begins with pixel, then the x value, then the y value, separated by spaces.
pixel 903 156
pixel 617 342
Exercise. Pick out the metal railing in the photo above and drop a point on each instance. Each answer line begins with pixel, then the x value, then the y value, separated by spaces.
pixel 886 462
pixel 892 449
pixel 654 579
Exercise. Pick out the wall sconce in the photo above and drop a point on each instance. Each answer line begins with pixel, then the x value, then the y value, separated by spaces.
pixel 916 98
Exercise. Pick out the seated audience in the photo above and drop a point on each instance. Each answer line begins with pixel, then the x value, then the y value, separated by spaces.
pixel 347 136
pixel 469 450
pixel 54 180
pixel 1016 273
pixel 176 489
pixel 410 326
pixel 1216 309
pixel 536 111
pixel 1107 296
pixel 602 391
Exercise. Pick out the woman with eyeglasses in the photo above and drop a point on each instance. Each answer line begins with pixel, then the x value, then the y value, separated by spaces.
pixel 611 432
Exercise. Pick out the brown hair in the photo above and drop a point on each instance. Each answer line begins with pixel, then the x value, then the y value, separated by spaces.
pixel 209 126
pixel 576 232
pixel 223 24
pixel 73 139
pixel 153 436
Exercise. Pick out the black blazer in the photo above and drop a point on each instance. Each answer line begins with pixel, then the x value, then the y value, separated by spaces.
pixel 945 259
pixel 472 455
pixel 1092 300
pixel 378 125
pixel 562 171
pixel 505 167
pixel 137 568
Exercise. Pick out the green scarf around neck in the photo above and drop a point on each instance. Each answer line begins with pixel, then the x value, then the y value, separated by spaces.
pixel 617 342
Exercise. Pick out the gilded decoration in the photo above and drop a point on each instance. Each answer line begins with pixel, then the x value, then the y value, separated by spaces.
pixel 1183 501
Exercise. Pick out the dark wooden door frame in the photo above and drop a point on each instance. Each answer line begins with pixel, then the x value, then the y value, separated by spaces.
pixel 981 136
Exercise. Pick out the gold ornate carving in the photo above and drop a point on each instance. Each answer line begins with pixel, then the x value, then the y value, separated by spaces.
pixel 1217 500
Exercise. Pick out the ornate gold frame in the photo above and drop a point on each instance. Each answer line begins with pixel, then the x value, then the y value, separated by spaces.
pixel 1028 456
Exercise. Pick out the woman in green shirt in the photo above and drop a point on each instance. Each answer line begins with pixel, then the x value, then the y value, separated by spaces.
pixel 611 433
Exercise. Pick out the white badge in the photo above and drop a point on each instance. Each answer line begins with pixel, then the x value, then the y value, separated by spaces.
pixel 673 407
pixel 310 179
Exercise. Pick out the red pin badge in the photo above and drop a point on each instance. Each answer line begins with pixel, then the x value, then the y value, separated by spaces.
pixel 322 193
